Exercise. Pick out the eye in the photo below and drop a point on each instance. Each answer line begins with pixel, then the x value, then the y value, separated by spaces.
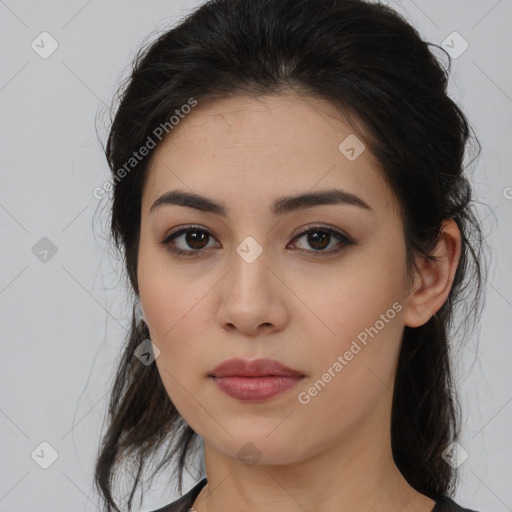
pixel 320 238
pixel 193 240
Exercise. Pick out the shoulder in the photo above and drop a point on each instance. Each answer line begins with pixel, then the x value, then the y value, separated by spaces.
pixel 186 501
pixel 446 504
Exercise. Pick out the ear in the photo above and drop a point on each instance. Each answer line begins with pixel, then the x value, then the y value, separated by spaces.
pixel 433 281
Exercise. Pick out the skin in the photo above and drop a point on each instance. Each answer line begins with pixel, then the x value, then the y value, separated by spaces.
pixel 333 453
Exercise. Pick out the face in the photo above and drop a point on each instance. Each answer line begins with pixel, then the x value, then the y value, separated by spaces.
pixel 317 287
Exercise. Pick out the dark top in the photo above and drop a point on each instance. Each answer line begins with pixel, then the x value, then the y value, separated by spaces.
pixel 444 504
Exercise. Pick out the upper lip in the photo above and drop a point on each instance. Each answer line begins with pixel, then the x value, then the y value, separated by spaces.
pixel 256 368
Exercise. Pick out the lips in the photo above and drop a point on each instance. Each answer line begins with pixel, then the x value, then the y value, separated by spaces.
pixel 256 368
pixel 254 381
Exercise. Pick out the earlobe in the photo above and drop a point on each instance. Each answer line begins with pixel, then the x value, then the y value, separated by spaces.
pixel 434 279
pixel 140 312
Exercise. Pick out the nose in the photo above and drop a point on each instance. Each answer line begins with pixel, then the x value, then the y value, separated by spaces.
pixel 252 298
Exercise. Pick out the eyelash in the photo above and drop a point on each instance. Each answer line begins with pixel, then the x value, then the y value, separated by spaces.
pixel 341 237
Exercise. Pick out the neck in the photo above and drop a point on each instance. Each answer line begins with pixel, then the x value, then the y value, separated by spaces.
pixel 355 474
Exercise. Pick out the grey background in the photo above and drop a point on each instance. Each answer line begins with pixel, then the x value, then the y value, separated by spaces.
pixel 63 320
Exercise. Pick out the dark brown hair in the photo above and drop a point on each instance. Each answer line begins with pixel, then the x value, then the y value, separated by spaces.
pixel 373 66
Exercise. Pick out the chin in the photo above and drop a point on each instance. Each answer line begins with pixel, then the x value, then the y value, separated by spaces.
pixel 259 449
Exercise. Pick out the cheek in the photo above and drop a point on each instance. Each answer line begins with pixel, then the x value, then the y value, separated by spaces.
pixel 168 293
pixel 179 362
pixel 364 351
pixel 171 305
pixel 174 323
pixel 355 356
pixel 353 299
pixel 353 380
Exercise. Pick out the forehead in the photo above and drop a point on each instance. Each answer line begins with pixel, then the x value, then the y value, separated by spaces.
pixel 267 146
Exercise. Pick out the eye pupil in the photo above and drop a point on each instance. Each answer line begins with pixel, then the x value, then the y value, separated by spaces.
pixel 317 238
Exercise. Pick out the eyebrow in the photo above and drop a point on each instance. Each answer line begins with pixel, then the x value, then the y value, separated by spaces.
pixel 281 205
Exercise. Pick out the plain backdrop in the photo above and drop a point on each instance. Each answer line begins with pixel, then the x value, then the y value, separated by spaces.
pixel 63 301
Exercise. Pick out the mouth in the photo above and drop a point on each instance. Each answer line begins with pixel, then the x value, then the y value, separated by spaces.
pixel 254 381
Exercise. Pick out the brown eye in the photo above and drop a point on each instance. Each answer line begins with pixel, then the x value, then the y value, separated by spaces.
pixel 188 241
pixel 319 239
pixel 196 239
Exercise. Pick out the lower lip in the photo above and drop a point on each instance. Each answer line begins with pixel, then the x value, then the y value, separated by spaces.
pixel 255 389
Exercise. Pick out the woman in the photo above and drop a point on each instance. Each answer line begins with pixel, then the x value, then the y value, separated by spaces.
pixel 290 200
